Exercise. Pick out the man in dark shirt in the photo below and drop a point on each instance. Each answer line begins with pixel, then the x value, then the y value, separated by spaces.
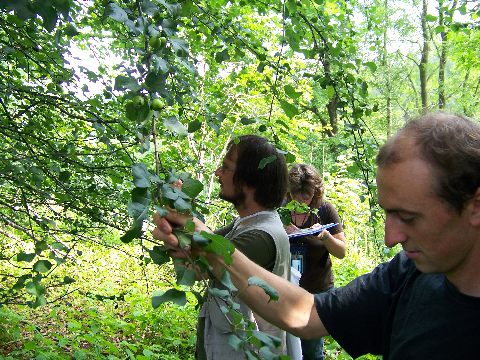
pixel 425 302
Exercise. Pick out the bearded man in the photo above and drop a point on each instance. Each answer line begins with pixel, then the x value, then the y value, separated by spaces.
pixel 255 191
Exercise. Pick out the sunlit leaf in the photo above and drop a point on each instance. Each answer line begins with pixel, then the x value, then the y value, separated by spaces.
pixel 172 124
pixel 42 266
pixel 289 109
pixel 290 92
pixel 219 245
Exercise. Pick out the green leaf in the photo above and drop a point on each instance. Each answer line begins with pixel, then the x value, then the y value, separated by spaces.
pixel 34 288
pixel 185 276
pixel 28 257
pixel 59 246
pixel 289 109
pixel 330 90
pixel 247 121
pixel 68 280
pixel 194 126
pixel 179 46
pixel 170 192
pixel 266 353
pixel 290 158
pixel 235 342
pixel 134 233
pixel 162 211
pixel 265 161
pixel 266 339
pixel 218 245
pixel 40 246
pixel 192 187
pixel 222 56
pixel 21 281
pixel 141 176
pixel 189 226
pixel 39 301
pixel 42 266
pixel 261 66
pixel 371 65
pixel 137 113
pixel 156 82
pixel 29 345
pixel 226 281
pixel 183 238
pixel 291 93
pixel 138 211
pixel 116 12
pixel 270 291
pixel 49 15
pixel 70 30
pixel 182 205
pixel 159 255
pixel 126 83
pixel 219 293
pixel 171 295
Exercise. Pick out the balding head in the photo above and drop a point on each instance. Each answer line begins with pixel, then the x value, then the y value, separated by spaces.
pixel 450 144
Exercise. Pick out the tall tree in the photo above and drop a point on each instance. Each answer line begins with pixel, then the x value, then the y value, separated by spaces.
pixel 424 56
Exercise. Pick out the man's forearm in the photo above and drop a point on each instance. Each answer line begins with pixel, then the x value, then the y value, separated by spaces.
pixel 295 309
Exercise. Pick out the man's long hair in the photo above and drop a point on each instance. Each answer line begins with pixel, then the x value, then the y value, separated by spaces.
pixel 270 181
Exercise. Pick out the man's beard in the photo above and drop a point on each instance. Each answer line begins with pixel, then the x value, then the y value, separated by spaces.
pixel 237 199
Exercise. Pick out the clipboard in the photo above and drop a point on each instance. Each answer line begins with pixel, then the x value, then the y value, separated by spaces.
pixel 311 231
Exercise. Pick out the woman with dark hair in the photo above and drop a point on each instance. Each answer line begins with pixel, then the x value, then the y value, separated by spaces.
pixel 312 252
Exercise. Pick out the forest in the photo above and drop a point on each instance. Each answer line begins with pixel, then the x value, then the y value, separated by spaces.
pixel 104 103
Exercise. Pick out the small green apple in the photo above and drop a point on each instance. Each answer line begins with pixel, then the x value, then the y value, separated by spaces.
pixel 156 104
pixel 138 101
pixel 157 42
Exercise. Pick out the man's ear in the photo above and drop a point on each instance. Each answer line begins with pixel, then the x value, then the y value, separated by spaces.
pixel 475 214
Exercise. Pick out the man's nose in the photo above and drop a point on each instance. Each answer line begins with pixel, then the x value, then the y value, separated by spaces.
pixel 394 233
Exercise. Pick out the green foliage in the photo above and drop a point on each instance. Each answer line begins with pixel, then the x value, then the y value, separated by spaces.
pixel 102 325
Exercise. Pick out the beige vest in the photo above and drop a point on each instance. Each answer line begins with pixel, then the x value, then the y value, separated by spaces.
pixel 217 328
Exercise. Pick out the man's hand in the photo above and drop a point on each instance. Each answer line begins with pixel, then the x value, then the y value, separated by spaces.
pixel 164 231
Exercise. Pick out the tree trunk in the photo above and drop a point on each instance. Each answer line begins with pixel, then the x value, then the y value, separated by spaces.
pixel 424 58
pixel 443 57
pixel 387 72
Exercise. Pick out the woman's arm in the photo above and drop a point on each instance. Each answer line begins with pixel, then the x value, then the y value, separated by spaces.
pixel 335 244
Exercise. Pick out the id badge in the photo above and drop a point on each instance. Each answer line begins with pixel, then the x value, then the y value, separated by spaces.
pixel 298 257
